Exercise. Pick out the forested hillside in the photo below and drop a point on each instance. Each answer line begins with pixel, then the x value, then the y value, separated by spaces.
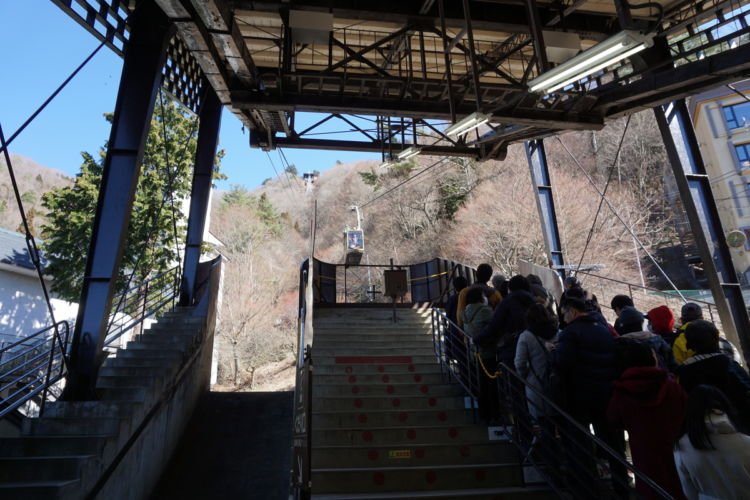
pixel 462 210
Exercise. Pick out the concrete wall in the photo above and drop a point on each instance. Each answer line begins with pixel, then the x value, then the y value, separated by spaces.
pixel 140 470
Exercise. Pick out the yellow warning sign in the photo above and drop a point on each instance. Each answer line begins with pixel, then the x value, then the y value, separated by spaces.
pixel 399 454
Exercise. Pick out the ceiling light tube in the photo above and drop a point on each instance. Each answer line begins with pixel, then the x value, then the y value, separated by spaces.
pixel 409 153
pixel 599 56
pixel 468 124
pixel 596 68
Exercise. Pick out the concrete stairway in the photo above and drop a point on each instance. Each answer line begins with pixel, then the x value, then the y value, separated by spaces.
pixel 387 425
pixel 64 454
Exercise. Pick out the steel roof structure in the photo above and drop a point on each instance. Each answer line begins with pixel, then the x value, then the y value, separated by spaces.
pixel 396 73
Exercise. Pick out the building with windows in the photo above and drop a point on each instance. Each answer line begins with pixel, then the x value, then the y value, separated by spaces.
pixel 722 124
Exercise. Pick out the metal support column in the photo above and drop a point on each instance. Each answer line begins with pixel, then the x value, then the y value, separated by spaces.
pixel 695 191
pixel 545 203
pixel 144 59
pixel 208 139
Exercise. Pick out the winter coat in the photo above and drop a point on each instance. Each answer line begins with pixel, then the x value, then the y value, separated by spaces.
pixel 720 473
pixel 476 318
pixel 648 404
pixel 531 363
pixel 451 307
pixel 508 321
pixel 723 373
pixel 585 357
pixel 682 353
pixel 493 298
pixel 655 342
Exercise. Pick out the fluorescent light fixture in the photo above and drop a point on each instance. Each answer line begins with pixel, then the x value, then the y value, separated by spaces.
pixel 468 124
pixel 613 49
pixel 409 153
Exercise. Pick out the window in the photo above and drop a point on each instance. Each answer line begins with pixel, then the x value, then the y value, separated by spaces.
pixel 743 155
pixel 737 115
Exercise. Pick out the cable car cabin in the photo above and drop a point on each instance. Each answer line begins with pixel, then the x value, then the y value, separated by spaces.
pixel 354 246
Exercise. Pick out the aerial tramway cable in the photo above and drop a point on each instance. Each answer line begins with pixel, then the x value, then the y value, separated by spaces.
pixel 616 214
pixel 430 167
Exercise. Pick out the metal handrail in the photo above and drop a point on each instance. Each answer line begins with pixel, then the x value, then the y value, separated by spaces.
pixel 39 365
pixel 43 365
pixel 139 303
pixel 302 431
pixel 560 448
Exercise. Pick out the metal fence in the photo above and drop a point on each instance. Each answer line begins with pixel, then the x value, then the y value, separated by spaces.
pixel 32 369
pixel 573 461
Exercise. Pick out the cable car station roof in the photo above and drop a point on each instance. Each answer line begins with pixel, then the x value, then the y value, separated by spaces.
pixel 396 73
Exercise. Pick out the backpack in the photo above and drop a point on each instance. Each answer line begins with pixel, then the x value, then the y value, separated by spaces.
pixel 551 380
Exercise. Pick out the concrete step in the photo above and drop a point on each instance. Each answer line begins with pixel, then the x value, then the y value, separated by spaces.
pixel 368 330
pixel 385 390
pixel 167 337
pixel 172 318
pixel 406 341
pixel 510 493
pixel 158 347
pixel 345 368
pixel 62 426
pixel 40 490
pixel 140 362
pixel 355 403
pixel 394 349
pixel 45 446
pixel 396 436
pixel 343 359
pixel 415 478
pixel 160 371
pixel 149 353
pixel 389 417
pixel 85 409
pixel 379 378
pixel 377 455
pixel 18 469
pixel 117 381
pixel 138 394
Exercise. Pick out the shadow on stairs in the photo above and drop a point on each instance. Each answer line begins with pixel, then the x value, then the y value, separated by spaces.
pixel 237 445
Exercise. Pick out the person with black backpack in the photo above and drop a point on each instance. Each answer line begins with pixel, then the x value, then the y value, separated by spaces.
pixel 533 358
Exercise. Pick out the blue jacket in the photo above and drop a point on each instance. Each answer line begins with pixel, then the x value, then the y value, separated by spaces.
pixel 585 358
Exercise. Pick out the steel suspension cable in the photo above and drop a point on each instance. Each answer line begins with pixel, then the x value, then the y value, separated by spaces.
pixel 30 240
pixel 604 193
pixel 430 167
pixel 283 156
pixel 275 171
pixel 616 214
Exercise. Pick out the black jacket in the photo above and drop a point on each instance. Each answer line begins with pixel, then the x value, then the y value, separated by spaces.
pixel 725 374
pixel 585 358
pixel 508 321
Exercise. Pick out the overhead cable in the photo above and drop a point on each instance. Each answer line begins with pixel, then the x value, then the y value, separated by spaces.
pixel 616 214
pixel 426 169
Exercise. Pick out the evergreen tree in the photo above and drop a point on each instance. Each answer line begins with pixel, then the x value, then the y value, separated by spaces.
pixel 150 247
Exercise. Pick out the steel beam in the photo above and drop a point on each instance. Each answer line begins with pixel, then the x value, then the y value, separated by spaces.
pixel 695 191
pixel 200 194
pixel 145 55
pixel 545 203
pixel 366 146
pixel 342 104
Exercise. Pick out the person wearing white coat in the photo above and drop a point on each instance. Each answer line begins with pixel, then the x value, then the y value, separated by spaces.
pixel 712 458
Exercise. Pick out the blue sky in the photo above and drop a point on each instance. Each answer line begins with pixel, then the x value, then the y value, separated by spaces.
pixel 41 46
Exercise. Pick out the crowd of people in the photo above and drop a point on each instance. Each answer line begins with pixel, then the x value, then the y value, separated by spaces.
pixel 674 385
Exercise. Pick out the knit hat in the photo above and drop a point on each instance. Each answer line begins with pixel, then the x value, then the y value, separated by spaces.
pixel 690 312
pixel 631 316
pixel 662 320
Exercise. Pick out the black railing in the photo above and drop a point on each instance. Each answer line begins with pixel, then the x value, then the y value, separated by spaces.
pixel 131 308
pixel 574 462
pixel 302 432
pixel 30 367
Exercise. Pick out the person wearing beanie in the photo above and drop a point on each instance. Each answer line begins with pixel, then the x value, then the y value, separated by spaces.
pixel 484 274
pixel 631 330
pixel 690 312
pixel 661 322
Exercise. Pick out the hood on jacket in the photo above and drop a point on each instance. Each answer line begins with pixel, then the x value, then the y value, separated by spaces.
pixel 638 335
pixel 719 424
pixel 645 383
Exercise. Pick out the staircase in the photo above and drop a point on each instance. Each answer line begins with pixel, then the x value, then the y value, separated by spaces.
pixel 63 454
pixel 386 424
